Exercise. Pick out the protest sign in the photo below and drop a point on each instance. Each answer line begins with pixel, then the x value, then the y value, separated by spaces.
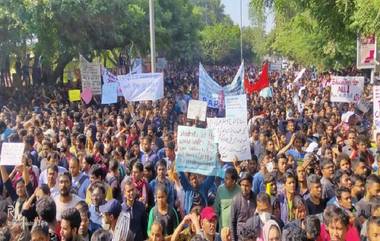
pixel 236 106
pixel 209 90
pixel 109 77
pixel 232 137
pixel 366 52
pixel 142 87
pixel 376 107
pixel 86 95
pixel 109 93
pixel 197 110
pixel 74 95
pixel 11 154
pixel 196 151
pixel 346 88
pixel 90 76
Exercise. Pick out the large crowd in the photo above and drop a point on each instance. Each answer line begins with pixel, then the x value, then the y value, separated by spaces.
pixel 107 172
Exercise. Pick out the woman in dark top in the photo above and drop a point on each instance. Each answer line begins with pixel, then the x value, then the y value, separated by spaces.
pixel 162 212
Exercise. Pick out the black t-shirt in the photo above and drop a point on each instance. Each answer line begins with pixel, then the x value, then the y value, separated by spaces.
pixel 314 208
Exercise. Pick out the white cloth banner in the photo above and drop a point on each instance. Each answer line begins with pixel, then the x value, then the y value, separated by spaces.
pixel 299 75
pixel 142 87
pixel 376 107
pixel 90 76
pixel 232 137
pixel 109 93
pixel 11 154
pixel 137 67
pixel 346 88
pixel 236 106
pixel 210 91
pixel 197 109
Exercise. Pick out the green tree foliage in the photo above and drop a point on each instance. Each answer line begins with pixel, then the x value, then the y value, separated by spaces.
pixel 319 32
pixel 58 30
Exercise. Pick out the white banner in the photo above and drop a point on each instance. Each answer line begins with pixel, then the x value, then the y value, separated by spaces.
pixel 232 137
pixel 142 87
pixel 90 76
pixel 236 106
pixel 237 85
pixel 197 109
pixel 366 52
pixel 376 107
pixel 209 90
pixel 346 88
pixel 299 75
pixel 11 154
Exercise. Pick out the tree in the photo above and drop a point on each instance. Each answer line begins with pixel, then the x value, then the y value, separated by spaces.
pixel 220 43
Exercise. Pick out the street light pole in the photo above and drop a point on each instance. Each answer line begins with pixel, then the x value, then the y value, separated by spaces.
pixel 241 30
pixel 152 37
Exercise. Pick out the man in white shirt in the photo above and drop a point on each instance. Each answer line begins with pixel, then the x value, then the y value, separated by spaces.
pixel 65 199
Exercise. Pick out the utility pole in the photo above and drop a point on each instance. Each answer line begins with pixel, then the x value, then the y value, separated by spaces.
pixel 152 37
pixel 241 30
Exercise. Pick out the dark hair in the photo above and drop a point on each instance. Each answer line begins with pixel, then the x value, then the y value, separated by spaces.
pixel 342 157
pixel 73 216
pixel 40 227
pixel 338 175
pixel 246 176
pixel 81 139
pixel 139 166
pixel 101 235
pixel 355 178
pixel 313 226
pixel 113 165
pixel 341 190
pixel 89 159
pixel 325 163
pixel 46 209
pixel 98 185
pixel 371 179
pixel 29 139
pixel 313 179
pixel 66 174
pixel 45 189
pixel 97 171
pixel 83 208
pixel 161 163
pixel 263 197
pixel 232 173
pixel 373 220
pixel 333 213
pixel 53 167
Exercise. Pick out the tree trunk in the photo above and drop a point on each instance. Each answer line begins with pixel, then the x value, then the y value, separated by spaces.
pixel 53 75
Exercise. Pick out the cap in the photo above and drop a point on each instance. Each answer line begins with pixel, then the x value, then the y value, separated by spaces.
pixel 112 207
pixel 208 213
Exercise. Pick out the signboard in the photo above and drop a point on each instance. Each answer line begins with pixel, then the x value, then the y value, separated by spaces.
pixel 232 137
pixel 11 154
pixel 236 106
pixel 366 52
pixel 90 76
pixel 346 88
pixel 197 110
pixel 197 152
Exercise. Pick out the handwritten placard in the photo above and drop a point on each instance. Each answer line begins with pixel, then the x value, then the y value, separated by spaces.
pixel 197 110
pixel 346 88
pixel 197 151
pixel 232 137
pixel 90 76
pixel 376 107
pixel 11 154
pixel 236 106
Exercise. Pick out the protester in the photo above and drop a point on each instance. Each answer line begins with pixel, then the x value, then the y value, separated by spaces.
pixel 311 175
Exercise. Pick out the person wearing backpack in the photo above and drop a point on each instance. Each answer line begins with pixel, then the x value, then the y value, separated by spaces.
pixel 79 179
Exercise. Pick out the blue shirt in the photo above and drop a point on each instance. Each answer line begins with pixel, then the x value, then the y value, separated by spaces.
pixel 258 183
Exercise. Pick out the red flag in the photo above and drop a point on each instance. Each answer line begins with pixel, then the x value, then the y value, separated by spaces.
pixel 260 84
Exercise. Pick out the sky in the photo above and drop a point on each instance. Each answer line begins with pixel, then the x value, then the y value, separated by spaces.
pixel 232 8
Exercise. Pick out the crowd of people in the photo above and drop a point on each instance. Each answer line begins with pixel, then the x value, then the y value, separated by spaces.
pixel 107 172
